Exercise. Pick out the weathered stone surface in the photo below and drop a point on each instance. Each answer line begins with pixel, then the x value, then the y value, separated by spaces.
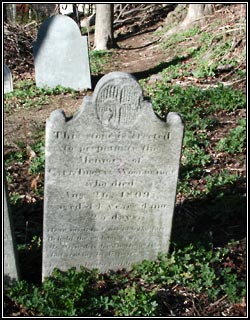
pixel 61 55
pixel 8 83
pixel 11 266
pixel 110 180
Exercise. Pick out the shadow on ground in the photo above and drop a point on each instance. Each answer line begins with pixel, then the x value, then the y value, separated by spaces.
pixel 218 218
pixel 211 219
pixel 147 73
pixel 28 225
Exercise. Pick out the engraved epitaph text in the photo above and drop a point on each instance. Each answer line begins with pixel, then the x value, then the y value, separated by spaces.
pixel 110 180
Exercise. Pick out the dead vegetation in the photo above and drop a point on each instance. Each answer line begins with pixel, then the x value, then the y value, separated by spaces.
pixel 18 56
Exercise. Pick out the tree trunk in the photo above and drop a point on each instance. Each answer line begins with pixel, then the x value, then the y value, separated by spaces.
pixel 76 14
pixel 4 13
pixel 195 16
pixel 104 38
pixel 10 13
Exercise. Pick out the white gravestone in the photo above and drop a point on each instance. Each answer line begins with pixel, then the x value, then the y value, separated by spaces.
pixel 110 180
pixel 61 55
pixel 11 266
pixel 8 82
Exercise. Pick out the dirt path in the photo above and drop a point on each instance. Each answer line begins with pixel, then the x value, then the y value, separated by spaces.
pixel 140 54
pixel 137 54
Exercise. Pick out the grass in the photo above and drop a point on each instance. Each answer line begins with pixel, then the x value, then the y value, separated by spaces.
pixel 201 262
pixel 235 141
pixel 87 292
pixel 209 49
pixel 193 266
pixel 98 59
pixel 27 95
pixel 198 109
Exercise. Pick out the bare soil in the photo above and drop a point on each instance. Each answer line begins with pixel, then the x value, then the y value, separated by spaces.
pixel 138 53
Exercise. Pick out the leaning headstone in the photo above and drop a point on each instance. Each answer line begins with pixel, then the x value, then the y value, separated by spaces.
pixel 110 180
pixel 8 83
pixel 61 55
pixel 11 266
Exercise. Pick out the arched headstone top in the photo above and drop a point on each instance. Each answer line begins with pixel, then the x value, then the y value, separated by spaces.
pixel 110 180
pixel 60 27
pixel 61 55
pixel 118 100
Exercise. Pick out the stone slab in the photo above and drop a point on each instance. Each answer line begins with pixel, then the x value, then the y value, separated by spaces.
pixel 61 55
pixel 11 265
pixel 111 175
pixel 8 82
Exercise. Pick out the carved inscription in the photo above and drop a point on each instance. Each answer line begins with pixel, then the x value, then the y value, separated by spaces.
pixel 109 192
pixel 119 103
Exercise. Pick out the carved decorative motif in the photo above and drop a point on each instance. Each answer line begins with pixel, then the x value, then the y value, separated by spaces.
pixel 118 104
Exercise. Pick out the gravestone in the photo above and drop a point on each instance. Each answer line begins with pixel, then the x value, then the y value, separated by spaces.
pixel 110 180
pixel 61 55
pixel 11 266
pixel 8 83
